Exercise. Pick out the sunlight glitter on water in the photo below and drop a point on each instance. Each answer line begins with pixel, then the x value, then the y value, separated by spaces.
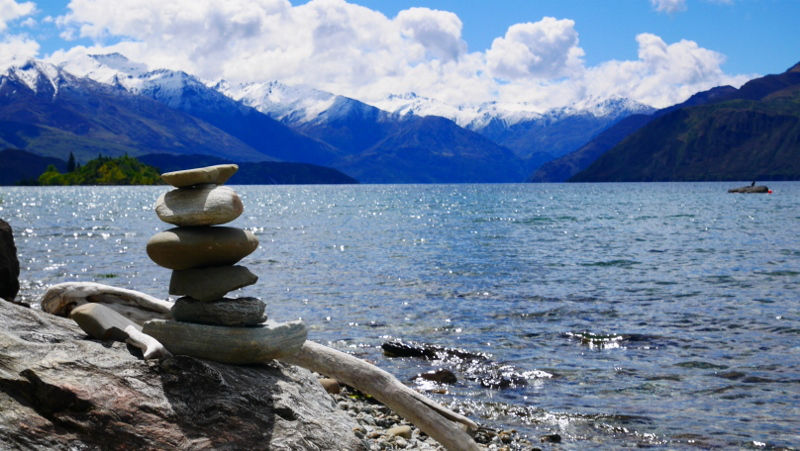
pixel 631 297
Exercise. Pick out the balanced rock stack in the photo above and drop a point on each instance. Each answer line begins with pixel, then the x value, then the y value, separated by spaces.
pixel 203 256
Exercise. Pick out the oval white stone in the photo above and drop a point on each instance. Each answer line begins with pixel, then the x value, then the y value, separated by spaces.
pixel 199 206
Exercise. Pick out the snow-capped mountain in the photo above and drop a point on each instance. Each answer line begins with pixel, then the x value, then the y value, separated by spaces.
pixel 189 94
pixel 36 76
pixel 51 112
pixel 290 105
pixel 177 89
pixel 509 114
pixel 308 125
pixel 537 136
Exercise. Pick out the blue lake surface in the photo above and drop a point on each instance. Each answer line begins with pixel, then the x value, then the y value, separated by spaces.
pixel 664 315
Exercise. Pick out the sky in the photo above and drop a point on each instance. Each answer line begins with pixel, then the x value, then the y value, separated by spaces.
pixel 545 54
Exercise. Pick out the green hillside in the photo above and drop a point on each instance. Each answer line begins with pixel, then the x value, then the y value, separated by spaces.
pixel 732 140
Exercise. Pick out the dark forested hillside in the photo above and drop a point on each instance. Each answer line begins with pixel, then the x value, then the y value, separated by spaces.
pixel 732 140
pixel 752 133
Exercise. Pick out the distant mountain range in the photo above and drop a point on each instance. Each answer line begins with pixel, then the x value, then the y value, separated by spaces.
pixel 722 134
pixel 355 127
pixel 107 104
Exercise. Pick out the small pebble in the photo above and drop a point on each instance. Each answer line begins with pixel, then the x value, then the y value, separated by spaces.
pixel 400 431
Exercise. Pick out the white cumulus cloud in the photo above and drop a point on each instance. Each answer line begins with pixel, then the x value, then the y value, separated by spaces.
pixel 16 50
pixel 352 50
pixel 11 10
pixel 439 32
pixel 545 49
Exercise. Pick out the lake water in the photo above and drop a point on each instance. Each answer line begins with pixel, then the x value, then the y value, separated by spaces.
pixel 664 315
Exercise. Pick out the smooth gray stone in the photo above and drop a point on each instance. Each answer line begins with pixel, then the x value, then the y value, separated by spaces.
pixel 239 312
pixel 208 284
pixel 199 206
pixel 218 175
pixel 101 322
pixel 200 247
pixel 234 345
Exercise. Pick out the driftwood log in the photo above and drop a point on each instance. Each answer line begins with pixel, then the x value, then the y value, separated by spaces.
pixel 439 422
pixel 138 307
pixel 448 428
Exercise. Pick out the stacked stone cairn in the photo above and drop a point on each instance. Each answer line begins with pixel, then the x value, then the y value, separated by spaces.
pixel 203 256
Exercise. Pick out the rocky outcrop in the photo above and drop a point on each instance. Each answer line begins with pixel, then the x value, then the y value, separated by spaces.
pixel 9 264
pixel 60 389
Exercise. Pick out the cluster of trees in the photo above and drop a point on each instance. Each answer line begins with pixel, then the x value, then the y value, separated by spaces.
pixel 122 170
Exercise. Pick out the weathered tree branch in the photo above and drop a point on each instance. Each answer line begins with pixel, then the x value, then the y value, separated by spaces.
pixel 138 307
pixel 442 424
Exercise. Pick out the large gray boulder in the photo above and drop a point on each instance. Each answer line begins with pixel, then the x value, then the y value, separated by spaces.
pixel 60 389
pixel 9 264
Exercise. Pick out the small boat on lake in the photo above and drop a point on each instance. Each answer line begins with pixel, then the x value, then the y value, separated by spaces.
pixel 760 189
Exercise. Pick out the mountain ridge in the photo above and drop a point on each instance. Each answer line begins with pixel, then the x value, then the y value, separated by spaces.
pixel 745 134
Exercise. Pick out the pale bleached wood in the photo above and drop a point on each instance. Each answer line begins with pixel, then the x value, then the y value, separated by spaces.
pixel 62 298
pixel 151 348
pixel 443 425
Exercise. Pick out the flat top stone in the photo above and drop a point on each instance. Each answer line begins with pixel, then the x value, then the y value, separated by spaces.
pixel 216 175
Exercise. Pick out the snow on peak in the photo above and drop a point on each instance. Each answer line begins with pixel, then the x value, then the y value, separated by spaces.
pixel 110 69
pixel 280 101
pixel 479 116
pixel 37 74
pixel 116 70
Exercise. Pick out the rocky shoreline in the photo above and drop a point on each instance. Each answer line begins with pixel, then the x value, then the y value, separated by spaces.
pixel 382 429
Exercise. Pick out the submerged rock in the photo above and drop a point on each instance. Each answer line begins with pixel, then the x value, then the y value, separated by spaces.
pixel 60 390
pixel 475 366
pixel 440 376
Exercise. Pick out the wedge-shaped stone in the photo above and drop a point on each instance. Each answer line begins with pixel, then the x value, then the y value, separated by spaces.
pixel 101 322
pixel 217 175
pixel 238 312
pixel 208 284
pixel 200 247
pixel 199 206
pixel 234 345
